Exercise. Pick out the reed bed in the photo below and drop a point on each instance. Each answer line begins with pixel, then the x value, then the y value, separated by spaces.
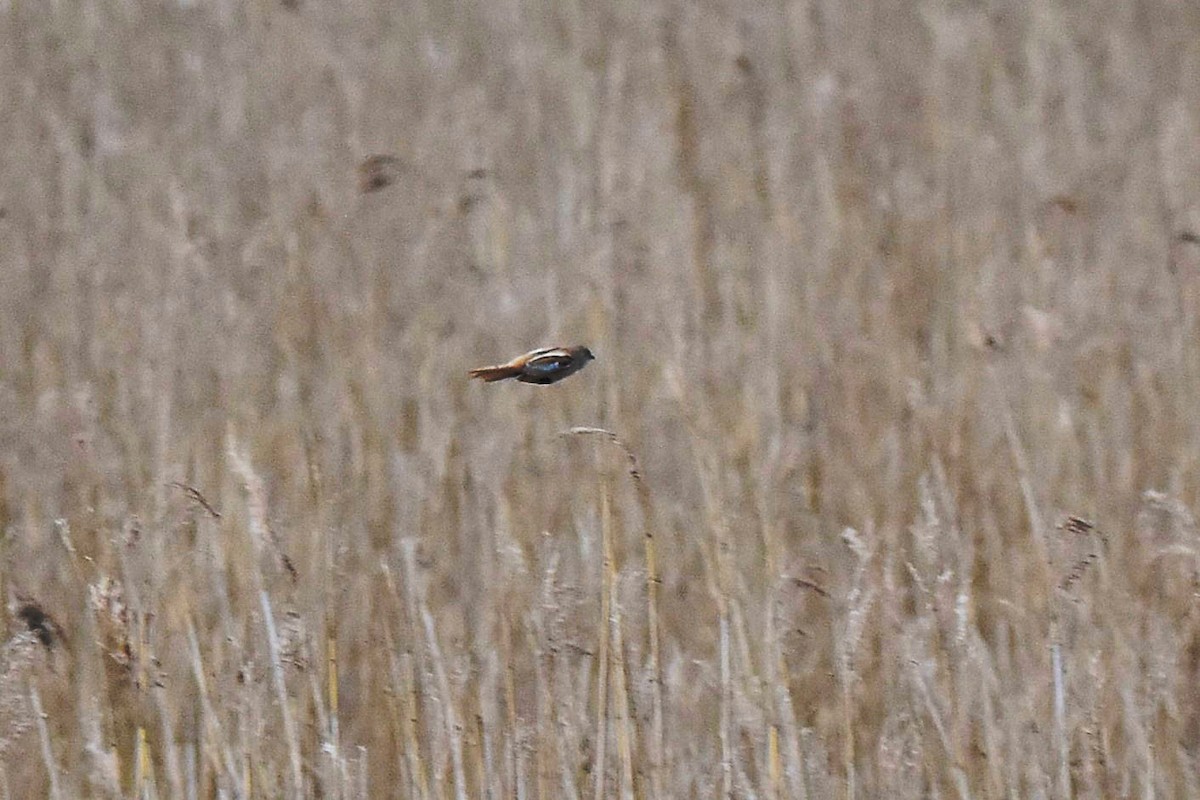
pixel 882 484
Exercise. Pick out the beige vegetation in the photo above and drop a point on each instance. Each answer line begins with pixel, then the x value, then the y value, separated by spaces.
pixel 881 484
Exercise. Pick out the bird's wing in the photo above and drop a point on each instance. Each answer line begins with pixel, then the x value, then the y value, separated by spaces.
pixel 549 361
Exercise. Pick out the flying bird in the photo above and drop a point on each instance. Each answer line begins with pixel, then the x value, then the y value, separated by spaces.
pixel 544 366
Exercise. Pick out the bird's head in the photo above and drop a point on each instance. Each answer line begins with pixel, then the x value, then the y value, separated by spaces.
pixel 586 354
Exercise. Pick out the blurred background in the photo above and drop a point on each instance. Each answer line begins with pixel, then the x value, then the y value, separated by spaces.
pixel 880 485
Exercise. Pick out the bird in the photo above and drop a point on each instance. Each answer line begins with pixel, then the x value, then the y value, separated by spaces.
pixel 543 366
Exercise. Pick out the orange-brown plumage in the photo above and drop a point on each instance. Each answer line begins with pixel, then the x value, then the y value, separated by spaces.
pixel 496 373
pixel 543 366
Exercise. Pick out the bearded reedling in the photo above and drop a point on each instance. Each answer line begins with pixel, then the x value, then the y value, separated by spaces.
pixel 544 366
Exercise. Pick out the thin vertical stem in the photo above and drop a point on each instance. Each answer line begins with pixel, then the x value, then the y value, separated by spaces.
pixel 598 770
pixel 39 717
pixel 285 709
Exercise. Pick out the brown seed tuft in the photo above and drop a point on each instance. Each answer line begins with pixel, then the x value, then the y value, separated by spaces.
pixel 378 172
pixel 39 622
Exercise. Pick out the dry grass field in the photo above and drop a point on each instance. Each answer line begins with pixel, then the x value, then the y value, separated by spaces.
pixel 881 486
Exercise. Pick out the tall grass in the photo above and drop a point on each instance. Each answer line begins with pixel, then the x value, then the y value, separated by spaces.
pixel 882 485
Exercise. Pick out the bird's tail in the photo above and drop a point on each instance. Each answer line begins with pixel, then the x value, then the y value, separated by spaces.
pixel 497 373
